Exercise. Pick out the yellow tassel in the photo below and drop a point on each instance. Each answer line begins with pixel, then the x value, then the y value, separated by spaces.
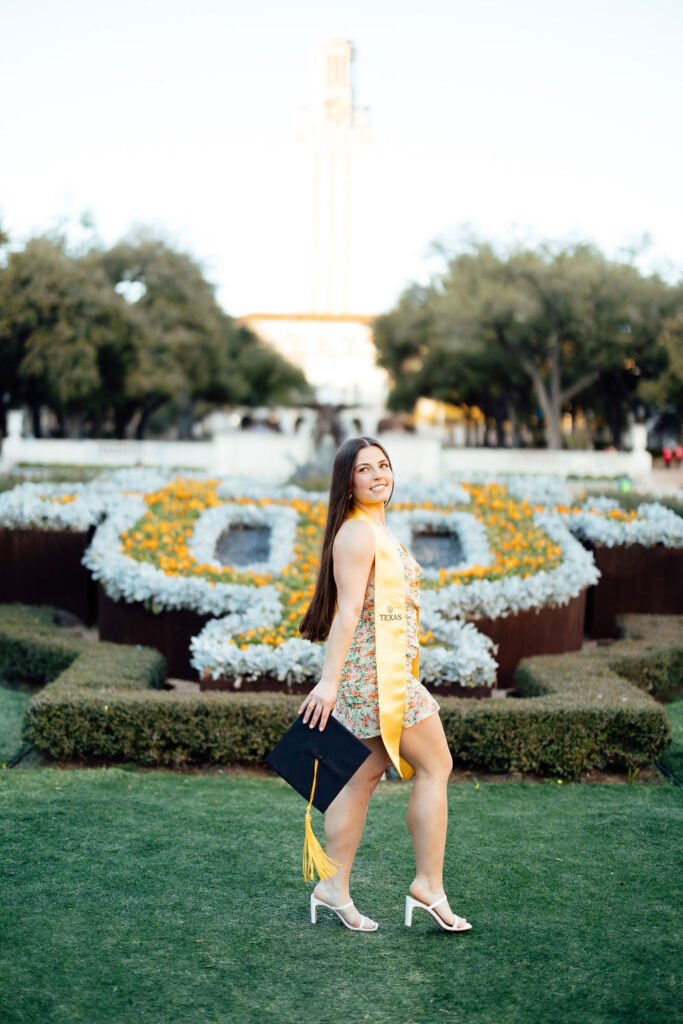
pixel 314 857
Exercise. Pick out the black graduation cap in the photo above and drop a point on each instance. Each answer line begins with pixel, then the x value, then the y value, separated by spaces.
pixel 317 764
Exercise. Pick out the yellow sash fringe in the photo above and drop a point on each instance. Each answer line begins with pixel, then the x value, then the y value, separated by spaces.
pixel 391 641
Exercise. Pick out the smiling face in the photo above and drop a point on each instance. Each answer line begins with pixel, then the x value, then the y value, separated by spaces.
pixel 372 478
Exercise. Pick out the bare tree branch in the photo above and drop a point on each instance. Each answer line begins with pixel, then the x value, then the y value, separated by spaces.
pixel 580 385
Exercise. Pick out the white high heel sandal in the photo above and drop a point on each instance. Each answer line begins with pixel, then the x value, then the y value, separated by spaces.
pixel 315 903
pixel 412 903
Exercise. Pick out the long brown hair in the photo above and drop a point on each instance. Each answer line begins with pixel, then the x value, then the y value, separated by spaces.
pixel 317 621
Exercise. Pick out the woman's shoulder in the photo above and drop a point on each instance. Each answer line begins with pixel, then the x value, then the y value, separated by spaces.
pixel 354 534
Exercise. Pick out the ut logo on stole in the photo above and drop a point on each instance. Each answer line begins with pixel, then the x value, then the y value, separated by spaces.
pixel 391 615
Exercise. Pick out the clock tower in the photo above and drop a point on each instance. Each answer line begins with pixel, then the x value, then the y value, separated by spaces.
pixel 332 131
pixel 331 343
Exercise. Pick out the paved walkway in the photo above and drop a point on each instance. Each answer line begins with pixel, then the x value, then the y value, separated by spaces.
pixel 665 481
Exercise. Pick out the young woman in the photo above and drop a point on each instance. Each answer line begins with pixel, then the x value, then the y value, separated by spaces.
pixel 366 605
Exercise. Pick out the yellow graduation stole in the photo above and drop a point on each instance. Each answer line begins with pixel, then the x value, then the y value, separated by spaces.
pixel 390 641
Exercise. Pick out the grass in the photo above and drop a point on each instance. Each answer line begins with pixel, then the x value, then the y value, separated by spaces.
pixel 159 897
pixel 13 703
pixel 37 472
pixel 47 474
pixel 672 758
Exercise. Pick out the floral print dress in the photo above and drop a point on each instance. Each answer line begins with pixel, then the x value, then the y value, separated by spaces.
pixel 357 705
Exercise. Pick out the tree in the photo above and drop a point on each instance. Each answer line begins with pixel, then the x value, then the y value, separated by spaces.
pixel 560 316
pixel 635 354
pixel 177 320
pixel 420 364
pixel 666 392
pixel 191 354
pixel 59 319
pixel 101 362
pixel 267 377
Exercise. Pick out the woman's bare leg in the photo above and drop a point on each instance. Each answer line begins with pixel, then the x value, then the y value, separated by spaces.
pixel 424 746
pixel 344 822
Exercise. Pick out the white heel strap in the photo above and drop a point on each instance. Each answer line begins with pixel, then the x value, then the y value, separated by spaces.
pixel 329 905
pixel 432 905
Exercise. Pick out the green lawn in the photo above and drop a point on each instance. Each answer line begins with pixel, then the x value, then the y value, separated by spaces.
pixel 157 897
pixel 672 757
pixel 13 704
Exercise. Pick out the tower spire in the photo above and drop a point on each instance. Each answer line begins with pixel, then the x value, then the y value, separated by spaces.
pixel 333 129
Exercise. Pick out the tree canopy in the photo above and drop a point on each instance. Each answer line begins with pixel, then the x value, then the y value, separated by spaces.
pixel 108 338
pixel 534 327
pixel 666 391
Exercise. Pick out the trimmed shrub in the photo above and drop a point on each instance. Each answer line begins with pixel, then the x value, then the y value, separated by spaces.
pixel 586 713
pixel 579 711
pixel 31 647
pixel 651 652
pixel 161 728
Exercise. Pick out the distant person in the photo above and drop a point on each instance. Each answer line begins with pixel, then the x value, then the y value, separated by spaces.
pixel 678 455
pixel 370 683
pixel 666 455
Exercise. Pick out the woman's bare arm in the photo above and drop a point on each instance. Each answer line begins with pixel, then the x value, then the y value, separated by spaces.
pixel 353 554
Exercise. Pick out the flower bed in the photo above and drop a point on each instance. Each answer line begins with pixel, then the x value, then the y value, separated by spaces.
pixel 45 530
pixel 155 555
pixel 640 559
pixel 78 507
pixel 601 521
pixel 295 664
pixel 521 579
pixel 169 632
pixel 533 632
pixel 45 567
pixel 634 579
pixel 510 560
pixel 515 559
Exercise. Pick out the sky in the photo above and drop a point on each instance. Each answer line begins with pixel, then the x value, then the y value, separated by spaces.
pixel 520 122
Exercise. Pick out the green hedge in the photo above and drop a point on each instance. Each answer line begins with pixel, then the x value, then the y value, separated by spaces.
pixel 591 709
pixel 31 647
pixel 653 659
pixel 580 710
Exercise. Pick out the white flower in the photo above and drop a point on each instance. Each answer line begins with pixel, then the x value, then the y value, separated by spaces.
pixel 498 598
pixel 469 530
pixel 214 651
pixel 278 519
pixel 38 505
pixel 125 577
pixel 443 492
pixel 537 490
pixel 254 490
pixel 468 660
pixel 655 525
